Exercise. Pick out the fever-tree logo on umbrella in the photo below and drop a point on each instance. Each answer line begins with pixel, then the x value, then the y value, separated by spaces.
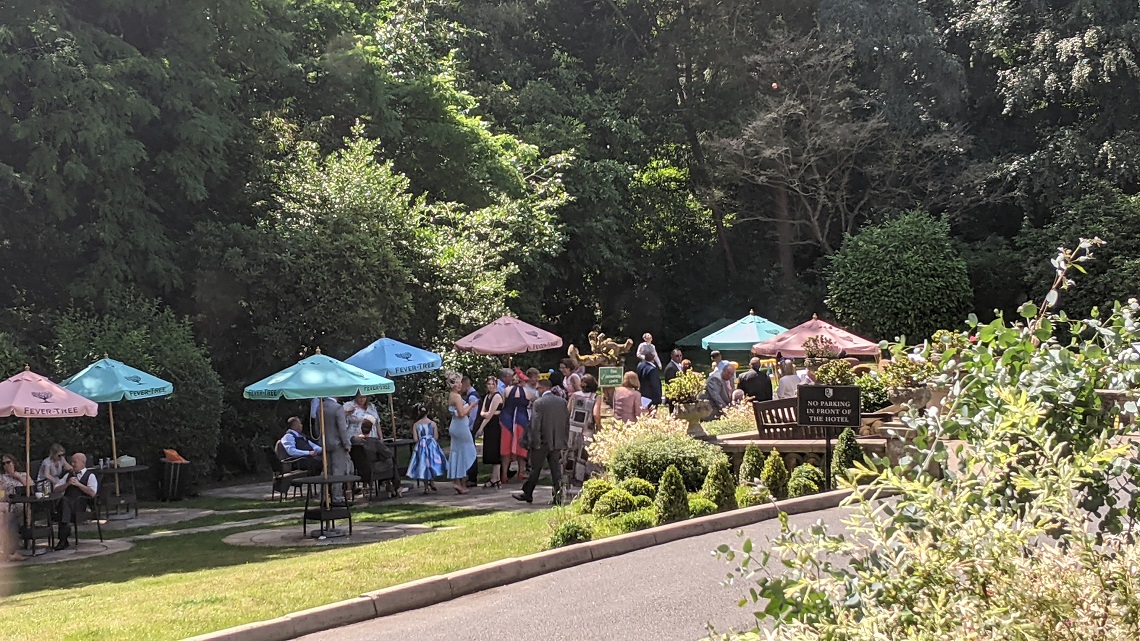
pixel 407 356
pixel 137 380
pixel 43 396
pixel 531 333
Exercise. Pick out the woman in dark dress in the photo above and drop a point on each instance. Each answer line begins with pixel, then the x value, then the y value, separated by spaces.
pixel 491 431
pixel 514 419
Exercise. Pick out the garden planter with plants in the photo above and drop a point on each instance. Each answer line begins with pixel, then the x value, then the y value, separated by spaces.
pixel 819 351
pixel 907 381
pixel 685 391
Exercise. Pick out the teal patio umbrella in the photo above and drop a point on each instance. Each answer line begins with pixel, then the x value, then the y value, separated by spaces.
pixel 743 334
pixel 319 376
pixel 388 357
pixel 107 381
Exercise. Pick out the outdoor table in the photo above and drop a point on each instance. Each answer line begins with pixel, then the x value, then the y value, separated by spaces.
pixel 107 495
pixel 327 515
pixel 32 504
pixel 395 444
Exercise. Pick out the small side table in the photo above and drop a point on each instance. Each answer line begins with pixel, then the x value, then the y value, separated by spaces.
pixel 325 514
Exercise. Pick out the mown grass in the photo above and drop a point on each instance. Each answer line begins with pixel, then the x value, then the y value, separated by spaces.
pixel 179 586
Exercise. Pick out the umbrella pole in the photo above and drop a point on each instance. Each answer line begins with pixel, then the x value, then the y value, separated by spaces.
pixel 114 446
pixel 324 454
pixel 392 411
pixel 28 469
pixel 27 456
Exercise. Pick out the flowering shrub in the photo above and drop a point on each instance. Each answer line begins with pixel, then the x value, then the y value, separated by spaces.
pixel 735 418
pixel 904 371
pixel 820 347
pixel 873 391
pixel 837 372
pixel 615 434
pixel 685 388
pixel 1021 540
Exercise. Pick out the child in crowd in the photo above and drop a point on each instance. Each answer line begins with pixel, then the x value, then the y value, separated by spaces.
pixel 428 460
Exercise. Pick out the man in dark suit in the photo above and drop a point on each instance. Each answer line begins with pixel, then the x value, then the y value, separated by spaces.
pixel 650 379
pixel 673 367
pixel 546 439
pixel 755 382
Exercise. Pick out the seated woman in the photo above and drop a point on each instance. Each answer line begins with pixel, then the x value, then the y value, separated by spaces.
pixel 54 466
pixel 10 513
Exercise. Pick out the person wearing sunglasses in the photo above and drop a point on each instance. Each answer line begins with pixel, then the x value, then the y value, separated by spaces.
pixel 10 513
pixel 54 466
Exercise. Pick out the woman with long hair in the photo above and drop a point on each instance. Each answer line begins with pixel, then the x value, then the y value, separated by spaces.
pixel 491 431
pixel 462 441
pixel 10 513
pixel 789 383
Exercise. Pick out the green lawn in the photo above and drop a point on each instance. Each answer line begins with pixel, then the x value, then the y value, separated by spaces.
pixel 179 586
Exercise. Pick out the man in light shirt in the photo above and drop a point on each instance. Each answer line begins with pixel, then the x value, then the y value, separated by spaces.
pixel 77 486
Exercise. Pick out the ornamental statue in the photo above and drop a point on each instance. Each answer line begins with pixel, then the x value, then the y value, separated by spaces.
pixel 607 352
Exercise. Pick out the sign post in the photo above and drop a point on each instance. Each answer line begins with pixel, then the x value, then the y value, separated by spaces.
pixel 828 407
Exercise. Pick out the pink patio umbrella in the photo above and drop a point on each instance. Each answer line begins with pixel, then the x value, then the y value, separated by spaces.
pixel 508 336
pixel 29 395
pixel 790 343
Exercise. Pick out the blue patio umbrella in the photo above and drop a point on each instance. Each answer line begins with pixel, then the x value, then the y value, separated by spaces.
pixel 743 334
pixel 388 357
pixel 319 376
pixel 108 380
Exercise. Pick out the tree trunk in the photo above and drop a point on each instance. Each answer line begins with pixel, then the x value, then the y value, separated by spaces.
pixel 785 239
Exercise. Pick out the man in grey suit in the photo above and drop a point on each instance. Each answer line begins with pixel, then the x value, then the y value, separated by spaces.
pixel 546 439
pixel 338 442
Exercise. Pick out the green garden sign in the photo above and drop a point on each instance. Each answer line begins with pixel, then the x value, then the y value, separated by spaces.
pixel 610 376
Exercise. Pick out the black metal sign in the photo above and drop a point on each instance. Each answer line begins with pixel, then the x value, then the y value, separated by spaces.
pixel 829 405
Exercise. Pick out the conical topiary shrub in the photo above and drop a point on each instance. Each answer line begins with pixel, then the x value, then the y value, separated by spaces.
pixel 847 453
pixel 806 479
pixel 775 475
pixel 720 487
pixel 753 464
pixel 672 502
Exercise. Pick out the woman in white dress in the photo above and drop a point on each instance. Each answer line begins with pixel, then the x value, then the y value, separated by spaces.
pixel 788 386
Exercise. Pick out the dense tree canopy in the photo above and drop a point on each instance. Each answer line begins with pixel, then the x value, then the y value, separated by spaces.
pixel 281 175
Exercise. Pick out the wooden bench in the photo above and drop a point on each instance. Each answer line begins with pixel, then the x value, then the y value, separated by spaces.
pixel 777 420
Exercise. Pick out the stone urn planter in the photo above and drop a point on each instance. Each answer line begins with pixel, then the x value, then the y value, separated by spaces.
pixel 918 397
pixel 693 413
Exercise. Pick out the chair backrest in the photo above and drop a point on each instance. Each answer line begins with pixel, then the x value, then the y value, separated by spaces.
pixel 362 462
pixel 776 419
pixel 275 463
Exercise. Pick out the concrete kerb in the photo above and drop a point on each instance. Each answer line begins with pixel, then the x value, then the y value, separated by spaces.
pixel 438 589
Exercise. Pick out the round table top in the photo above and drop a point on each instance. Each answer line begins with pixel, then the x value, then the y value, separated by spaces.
pixel 50 498
pixel 121 470
pixel 322 480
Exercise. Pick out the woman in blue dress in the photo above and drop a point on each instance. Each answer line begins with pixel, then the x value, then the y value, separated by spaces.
pixel 428 460
pixel 462 441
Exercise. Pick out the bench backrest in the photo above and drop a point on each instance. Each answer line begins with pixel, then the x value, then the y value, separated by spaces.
pixel 777 419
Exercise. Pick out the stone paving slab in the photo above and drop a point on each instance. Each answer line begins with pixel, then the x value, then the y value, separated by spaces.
pixel 478 498
pixel 292 537
pixel 85 550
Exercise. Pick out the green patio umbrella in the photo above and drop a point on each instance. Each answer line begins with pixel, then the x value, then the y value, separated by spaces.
pixel 743 334
pixel 319 376
pixel 106 381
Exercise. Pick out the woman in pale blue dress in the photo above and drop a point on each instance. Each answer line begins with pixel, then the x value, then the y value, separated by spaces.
pixel 462 442
pixel 428 460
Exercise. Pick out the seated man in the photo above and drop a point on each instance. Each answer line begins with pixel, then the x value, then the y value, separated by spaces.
pixel 371 456
pixel 298 449
pixel 77 486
